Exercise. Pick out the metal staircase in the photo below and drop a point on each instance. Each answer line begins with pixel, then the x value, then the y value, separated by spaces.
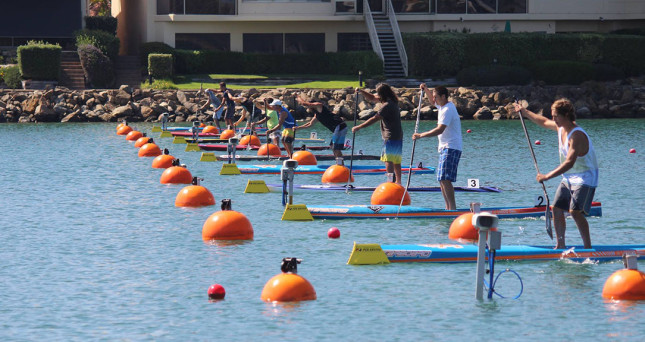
pixel 386 40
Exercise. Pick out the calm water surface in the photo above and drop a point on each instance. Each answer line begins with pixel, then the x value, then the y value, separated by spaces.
pixel 93 247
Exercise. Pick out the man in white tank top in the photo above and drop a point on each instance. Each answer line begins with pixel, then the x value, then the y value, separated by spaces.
pixel 578 167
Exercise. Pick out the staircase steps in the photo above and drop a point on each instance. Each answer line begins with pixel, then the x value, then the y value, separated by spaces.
pixel 128 71
pixel 72 75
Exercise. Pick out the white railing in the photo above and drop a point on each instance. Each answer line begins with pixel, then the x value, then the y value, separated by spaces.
pixel 397 36
pixel 371 28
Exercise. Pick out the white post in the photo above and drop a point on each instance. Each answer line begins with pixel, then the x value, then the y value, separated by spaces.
pixel 484 221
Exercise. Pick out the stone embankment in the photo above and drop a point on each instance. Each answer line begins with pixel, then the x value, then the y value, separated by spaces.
pixel 623 99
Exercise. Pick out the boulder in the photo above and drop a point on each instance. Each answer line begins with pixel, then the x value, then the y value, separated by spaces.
pixel 75 116
pixel 122 112
pixel 366 114
pixel 484 113
pixel 29 105
pixel 45 113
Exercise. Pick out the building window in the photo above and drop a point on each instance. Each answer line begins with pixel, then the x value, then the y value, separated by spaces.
pixel 482 6
pixel 411 6
pixel 354 42
pixel 304 42
pixel 512 6
pixel 345 6
pixel 203 41
pixel 263 43
pixel 196 7
pixel 451 6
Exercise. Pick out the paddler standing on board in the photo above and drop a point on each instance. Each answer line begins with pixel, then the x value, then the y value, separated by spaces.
pixel 578 167
pixel 333 122
pixel 287 122
pixel 391 130
pixel 270 117
pixel 448 131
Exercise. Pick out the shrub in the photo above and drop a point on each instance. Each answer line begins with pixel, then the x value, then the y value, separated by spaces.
pixel 98 68
pixel 625 52
pixel 562 72
pixel 493 75
pixel 606 72
pixel 154 47
pixel 101 23
pixel 159 84
pixel 11 75
pixel 106 42
pixel 39 61
pixel 160 65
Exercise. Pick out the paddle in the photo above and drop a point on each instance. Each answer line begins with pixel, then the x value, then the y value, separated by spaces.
pixel 547 211
pixel 351 158
pixel 414 144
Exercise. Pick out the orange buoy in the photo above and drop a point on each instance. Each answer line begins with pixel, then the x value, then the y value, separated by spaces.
pixel 274 150
pixel 227 225
pixel 288 286
pixel 149 150
pixel 124 130
pixel 390 193
pixel 462 228
pixel 202 125
pixel 305 158
pixel 163 161
pixel 336 174
pixel 176 175
pixel 625 284
pixel 210 129
pixel 250 140
pixel 142 141
pixel 227 134
pixel 194 196
pixel 133 135
pixel 121 125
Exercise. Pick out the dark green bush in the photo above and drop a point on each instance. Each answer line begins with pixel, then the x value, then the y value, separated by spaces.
pixel 101 23
pixel 154 47
pixel 493 75
pixel 606 72
pixel 11 75
pixel 159 84
pixel 625 52
pixel 98 68
pixel 435 54
pixel 160 65
pixel 106 42
pixel 39 61
pixel 562 72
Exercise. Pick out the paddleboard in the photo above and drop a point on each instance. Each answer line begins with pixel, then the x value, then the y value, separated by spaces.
pixel 390 211
pixel 224 157
pixel 215 139
pixel 187 128
pixel 327 187
pixel 370 254
pixel 206 136
pixel 223 147
pixel 320 169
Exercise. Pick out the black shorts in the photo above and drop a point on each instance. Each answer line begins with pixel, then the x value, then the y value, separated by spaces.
pixel 229 112
pixel 577 198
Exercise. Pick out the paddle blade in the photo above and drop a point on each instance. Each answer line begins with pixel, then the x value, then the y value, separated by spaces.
pixel 547 217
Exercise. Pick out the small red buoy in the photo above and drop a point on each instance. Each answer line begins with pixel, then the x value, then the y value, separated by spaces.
pixel 227 134
pixel 124 130
pixel 333 233
pixel 176 175
pixel 194 196
pixel 625 284
pixel 469 131
pixel 537 142
pixel 210 129
pixel 149 150
pixel 390 193
pixel 274 150
pixel 250 140
pixel 227 225
pixel 305 158
pixel 633 150
pixel 336 174
pixel 216 292
pixel 133 136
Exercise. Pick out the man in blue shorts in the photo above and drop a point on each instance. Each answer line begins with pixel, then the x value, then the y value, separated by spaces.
pixel 333 122
pixel 448 131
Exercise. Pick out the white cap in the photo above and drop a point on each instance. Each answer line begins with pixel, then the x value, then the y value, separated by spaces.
pixel 276 103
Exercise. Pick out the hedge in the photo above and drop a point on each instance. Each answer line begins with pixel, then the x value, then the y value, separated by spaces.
pixel 493 75
pixel 102 23
pixel 39 61
pixel 98 68
pixel 154 47
pixel 11 76
pixel 108 43
pixel 562 72
pixel 160 65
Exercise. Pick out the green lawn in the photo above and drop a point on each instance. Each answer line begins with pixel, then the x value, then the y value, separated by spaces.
pixel 317 81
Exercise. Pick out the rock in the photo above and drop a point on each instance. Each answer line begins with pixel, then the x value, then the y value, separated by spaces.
pixel 29 105
pixel 122 112
pixel 60 109
pixel 75 116
pixel 405 114
pixel 583 113
pixel 147 112
pixel 366 114
pixel 45 113
pixel 483 113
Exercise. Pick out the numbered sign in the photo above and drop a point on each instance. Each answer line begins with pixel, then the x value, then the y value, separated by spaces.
pixel 473 183
pixel 313 135
pixel 348 143
pixel 539 201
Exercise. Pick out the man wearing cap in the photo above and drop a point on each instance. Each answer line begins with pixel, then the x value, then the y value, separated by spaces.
pixel 287 122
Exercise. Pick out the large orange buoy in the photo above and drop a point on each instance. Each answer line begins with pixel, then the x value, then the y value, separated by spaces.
pixel 227 225
pixel 274 150
pixel 336 174
pixel 462 228
pixel 149 150
pixel 124 130
pixel 176 175
pixel 210 129
pixel 250 140
pixel 305 158
pixel 121 125
pixel 163 161
pixel 288 286
pixel 227 134
pixel 625 284
pixel 133 135
pixel 142 141
pixel 202 125
pixel 390 193
pixel 194 196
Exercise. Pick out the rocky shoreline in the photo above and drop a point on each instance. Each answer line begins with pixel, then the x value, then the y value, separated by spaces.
pixel 620 99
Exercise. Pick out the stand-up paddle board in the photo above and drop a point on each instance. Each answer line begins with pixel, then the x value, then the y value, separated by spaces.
pixel 224 157
pixel 327 187
pixel 223 147
pixel 320 169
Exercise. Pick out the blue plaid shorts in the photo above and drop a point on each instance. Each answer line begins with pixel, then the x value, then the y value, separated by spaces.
pixel 448 163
